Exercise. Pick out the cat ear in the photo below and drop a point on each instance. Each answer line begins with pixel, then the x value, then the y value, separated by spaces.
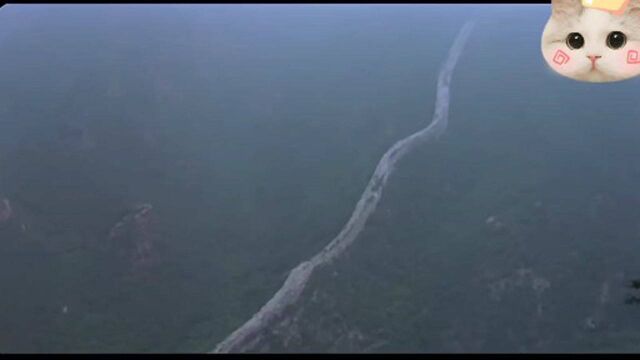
pixel 564 9
pixel 633 5
pixel 633 9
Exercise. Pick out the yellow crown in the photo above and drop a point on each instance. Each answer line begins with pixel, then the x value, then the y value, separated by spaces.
pixel 616 7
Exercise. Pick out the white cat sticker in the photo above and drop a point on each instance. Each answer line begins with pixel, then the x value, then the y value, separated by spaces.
pixel 593 40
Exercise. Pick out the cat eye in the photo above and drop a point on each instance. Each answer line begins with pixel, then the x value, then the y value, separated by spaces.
pixel 616 40
pixel 575 41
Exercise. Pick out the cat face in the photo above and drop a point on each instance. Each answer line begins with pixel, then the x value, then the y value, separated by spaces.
pixel 592 45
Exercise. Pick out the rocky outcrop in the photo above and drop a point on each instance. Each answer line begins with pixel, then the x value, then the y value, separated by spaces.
pixel 495 225
pixel 6 212
pixel 134 238
pixel 523 279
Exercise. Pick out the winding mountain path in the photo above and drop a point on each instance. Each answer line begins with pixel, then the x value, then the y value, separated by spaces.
pixel 252 331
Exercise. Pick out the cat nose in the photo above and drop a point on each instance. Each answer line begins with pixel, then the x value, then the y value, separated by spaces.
pixel 593 58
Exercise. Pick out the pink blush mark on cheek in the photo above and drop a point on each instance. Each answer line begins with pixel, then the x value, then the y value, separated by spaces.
pixel 561 57
pixel 633 57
